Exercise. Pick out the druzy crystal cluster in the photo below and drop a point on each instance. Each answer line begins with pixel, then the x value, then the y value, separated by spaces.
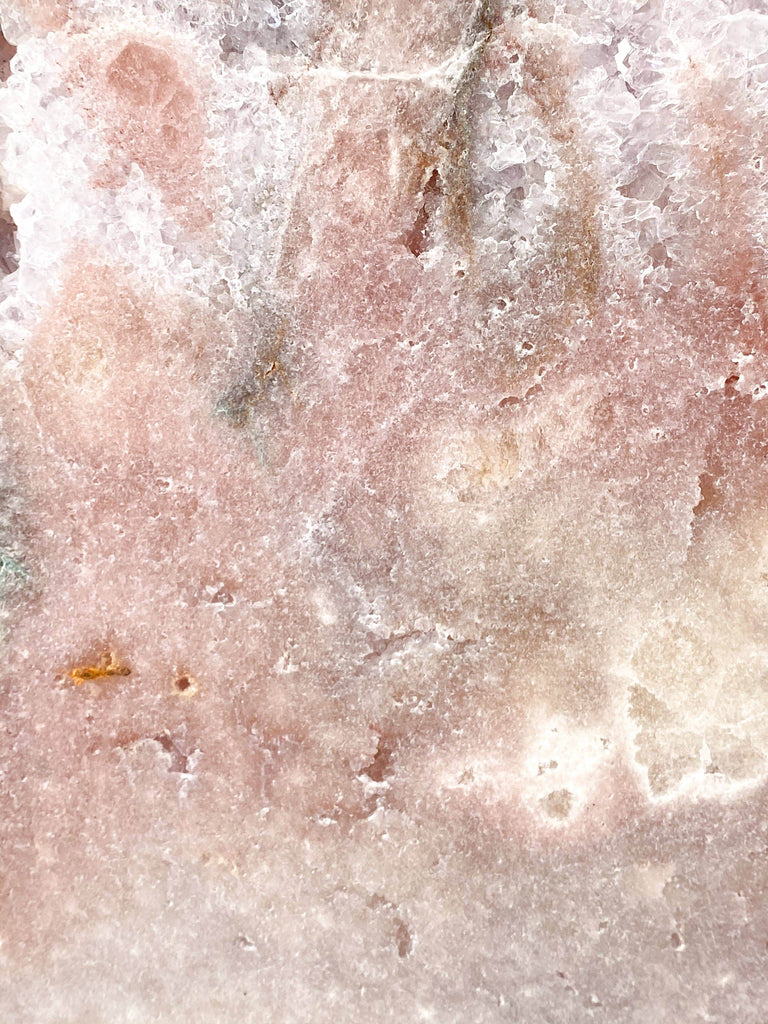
pixel 384 511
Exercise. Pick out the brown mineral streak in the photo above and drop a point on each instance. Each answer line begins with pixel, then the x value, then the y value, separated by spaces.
pixel 241 402
pixel 455 139
pixel 441 146
pixel 546 70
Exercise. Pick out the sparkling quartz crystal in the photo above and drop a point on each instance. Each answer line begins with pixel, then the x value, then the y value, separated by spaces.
pixel 383 511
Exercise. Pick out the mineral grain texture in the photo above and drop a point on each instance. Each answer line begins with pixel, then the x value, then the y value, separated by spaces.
pixel 384 512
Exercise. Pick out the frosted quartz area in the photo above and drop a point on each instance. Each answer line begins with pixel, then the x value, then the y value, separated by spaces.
pixel 384 512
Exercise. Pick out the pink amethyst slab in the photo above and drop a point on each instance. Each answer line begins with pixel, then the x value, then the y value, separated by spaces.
pixel 383 512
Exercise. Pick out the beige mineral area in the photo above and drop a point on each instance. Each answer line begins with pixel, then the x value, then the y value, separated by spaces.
pixel 383 512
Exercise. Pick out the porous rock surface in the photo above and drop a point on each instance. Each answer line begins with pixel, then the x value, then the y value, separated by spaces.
pixel 383 519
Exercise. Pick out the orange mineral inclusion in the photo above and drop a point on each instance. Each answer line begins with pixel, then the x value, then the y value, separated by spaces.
pixel 106 667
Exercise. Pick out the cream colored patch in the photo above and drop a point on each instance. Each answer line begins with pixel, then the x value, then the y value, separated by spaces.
pixel 476 465
pixel 646 882
pixel 563 766
pixel 697 704
pixel 556 778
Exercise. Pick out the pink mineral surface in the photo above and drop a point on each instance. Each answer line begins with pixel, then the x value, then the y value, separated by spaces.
pixel 384 512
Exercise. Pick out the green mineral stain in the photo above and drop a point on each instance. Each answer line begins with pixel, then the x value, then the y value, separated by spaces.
pixel 11 571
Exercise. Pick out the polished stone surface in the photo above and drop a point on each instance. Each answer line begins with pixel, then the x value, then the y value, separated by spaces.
pixel 383 512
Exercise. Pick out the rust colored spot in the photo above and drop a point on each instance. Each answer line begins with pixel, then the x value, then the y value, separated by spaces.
pixel 418 239
pixel 403 939
pixel 381 767
pixel 710 494
pixel 105 668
